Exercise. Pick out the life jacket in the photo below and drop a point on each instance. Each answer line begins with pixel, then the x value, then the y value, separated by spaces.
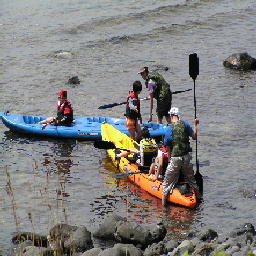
pixel 148 150
pixel 64 108
pixel 180 140
pixel 136 102
pixel 162 87
pixel 165 158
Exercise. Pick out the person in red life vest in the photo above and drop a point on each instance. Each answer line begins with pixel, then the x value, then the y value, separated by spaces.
pixel 158 167
pixel 64 112
pixel 133 111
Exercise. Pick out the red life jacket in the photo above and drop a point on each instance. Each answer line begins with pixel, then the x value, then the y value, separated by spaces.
pixel 165 158
pixel 136 102
pixel 64 106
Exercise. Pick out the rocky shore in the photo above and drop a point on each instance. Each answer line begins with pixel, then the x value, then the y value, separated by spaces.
pixel 123 238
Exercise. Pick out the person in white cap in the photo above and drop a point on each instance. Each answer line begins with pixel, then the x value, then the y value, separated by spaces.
pixel 158 89
pixel 176 141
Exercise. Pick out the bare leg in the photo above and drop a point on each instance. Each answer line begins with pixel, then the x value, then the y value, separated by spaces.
pixel 132 133
pixel 168 119
pixel 159 120
pixel 138 130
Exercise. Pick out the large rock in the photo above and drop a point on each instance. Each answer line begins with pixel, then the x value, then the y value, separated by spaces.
pixel 36 251
pixel 80 241
pixel 107 229
pixel 66 238
pixel 92 252
pixel 141 235
pixel 241 61
pixel 38 240
pixel 122 250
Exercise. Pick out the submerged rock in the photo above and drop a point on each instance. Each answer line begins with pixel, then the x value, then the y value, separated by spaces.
pixel 74 80
pixel 240 61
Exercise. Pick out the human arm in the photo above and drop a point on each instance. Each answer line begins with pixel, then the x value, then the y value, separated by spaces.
pixel 151 102
pixel 191 132
pixel 159 163
pixel 195 129
pixel 151 89
pixel 168 141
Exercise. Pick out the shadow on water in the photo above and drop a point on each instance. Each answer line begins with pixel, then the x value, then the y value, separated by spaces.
pixel 140 207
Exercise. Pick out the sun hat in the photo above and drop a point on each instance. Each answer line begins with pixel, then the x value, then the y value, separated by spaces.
pixel 143 69
pixel 174 111
pixel 61 92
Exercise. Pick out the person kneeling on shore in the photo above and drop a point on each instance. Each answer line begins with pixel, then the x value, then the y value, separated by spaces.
pixel 64 112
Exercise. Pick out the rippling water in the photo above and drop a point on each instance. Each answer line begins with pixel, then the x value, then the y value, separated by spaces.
pixel 43 43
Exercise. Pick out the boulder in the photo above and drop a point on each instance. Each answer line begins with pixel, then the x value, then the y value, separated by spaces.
pixel 74 80
pixel 240 61
pixel 122 250
pixel 38 240
pixel 80 241
pixel 107 229
pixel 92 252
pixel 138 234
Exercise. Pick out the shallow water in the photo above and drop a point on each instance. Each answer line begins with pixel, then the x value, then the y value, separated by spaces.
pixel 104 43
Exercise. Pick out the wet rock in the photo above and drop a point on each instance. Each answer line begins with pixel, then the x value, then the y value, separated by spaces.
pixel 37 251
pixel 92 252
pixel 205 250
pixel 122 250
pixel 79 241
pixel 171 245
pixel 243 229
pixel 209 235
pixel 155 249
pixel 186 246
pixel 74 80
pixel 20 249
pixel 38 240
pixel 241 61
pixel 62 54
pixel 107 229
pixel 137 234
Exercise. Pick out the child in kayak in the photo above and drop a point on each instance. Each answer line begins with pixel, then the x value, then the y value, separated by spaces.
pixel 64 112
pixel 158 166
pixel 133 111
pixel 147 150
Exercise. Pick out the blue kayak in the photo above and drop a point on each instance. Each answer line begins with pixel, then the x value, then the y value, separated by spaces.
pixel 82 128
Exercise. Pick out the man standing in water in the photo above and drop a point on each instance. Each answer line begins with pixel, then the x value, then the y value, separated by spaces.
pixel 176 141
pixel 159 89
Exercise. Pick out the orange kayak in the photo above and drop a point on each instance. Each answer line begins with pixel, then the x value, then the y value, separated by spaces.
pixel 141 179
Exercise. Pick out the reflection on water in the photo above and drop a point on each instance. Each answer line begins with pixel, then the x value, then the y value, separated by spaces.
pixel 141 207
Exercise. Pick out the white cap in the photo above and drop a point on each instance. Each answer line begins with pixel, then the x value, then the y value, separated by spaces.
pixel 174 111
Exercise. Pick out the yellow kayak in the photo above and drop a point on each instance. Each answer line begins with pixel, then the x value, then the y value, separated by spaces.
pixel 141 179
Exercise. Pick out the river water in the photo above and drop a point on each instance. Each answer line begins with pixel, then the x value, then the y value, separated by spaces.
pixel 104 43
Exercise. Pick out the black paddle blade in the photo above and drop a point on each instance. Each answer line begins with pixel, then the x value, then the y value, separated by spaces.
pixel 104 144
pixel 199 179
pixel 176 92
pixel 111 105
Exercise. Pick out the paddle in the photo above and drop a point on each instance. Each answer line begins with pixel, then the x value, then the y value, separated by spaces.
pixel 193 72
pixel 124 102
pixel 126 174
pixel 101 144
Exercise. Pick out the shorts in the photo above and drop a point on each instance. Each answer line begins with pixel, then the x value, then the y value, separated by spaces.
pixel 164 105
pixel 131 123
